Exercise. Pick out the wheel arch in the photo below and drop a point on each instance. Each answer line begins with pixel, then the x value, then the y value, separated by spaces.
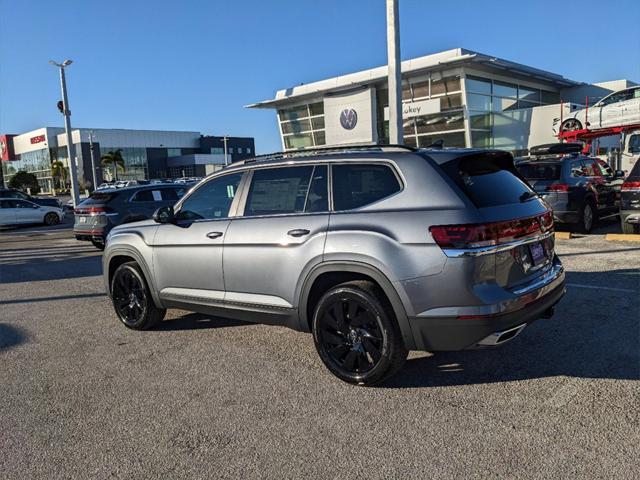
pixel 345 271
pixel 122 254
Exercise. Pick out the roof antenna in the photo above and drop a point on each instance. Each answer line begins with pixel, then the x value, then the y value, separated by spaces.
pixel 438 144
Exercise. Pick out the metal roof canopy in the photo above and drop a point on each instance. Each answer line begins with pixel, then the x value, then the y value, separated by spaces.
pixel 454 57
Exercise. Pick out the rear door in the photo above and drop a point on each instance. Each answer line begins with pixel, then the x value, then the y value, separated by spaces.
pixel 603 189
pixel 279 234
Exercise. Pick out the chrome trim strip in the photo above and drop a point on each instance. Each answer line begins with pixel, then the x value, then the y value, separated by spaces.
pixel 476 252
pixel 546 278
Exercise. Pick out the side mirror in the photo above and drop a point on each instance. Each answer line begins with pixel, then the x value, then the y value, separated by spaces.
pixel 164 215
pixel 35 207
pixel 618 174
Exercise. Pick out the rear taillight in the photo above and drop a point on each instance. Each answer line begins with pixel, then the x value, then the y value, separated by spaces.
pixel 92 210
pixel 558 187
pixel 630 186
pixel 490 234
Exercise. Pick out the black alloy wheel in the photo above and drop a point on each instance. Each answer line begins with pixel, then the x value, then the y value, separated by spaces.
pixel 51 219
pixel 356 334
pixel 131 298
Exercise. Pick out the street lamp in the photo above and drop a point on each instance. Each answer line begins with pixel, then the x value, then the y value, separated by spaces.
pixel 394 73
pixel 75 194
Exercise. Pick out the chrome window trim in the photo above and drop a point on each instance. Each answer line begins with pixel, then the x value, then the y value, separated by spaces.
pixel 479 251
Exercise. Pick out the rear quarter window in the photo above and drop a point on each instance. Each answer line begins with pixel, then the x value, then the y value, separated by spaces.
pixel 355 186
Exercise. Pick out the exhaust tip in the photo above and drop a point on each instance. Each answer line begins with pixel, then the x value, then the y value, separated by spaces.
pixel 503 336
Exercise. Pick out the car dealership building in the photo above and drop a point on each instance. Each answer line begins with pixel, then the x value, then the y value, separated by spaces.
pixel 146 153
pixel 462 97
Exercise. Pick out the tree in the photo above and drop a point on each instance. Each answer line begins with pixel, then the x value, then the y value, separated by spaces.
pixel 25 180
pixel 58 171
pixel 115 159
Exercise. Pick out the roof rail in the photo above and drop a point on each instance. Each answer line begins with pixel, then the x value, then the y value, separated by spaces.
pixel 322 151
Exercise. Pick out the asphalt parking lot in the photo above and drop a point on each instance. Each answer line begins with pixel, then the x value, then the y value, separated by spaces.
pixel 82 396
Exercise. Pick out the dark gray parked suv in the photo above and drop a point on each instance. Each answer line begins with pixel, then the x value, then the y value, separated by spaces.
pixel 376 250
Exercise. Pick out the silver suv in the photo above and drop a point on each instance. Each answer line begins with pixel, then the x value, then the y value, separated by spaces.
pixel 375 250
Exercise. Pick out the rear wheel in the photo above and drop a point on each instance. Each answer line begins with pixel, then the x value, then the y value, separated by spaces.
pixel 588 217
pixel 51 219
pixel 356 334
pixel 132 300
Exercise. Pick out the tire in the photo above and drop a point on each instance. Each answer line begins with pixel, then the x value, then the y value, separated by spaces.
pixel 132 300
pixel 51 219
pixel 356 334
pixel 588 217
pixel 629 227
pixel 570 124
pixel 98 244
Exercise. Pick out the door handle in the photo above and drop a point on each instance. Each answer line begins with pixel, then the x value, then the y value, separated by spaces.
pixel 213 235
pixel 298 232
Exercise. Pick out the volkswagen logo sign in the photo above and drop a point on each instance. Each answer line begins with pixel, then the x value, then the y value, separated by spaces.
pixel 348 118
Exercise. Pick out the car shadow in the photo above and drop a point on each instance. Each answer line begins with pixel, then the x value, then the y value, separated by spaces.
pixel 594 334
pixel 195 321
pixel 50 265
pixel 10 336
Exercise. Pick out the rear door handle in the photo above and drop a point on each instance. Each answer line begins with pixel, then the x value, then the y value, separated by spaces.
pixel 213 235
pixel 298 232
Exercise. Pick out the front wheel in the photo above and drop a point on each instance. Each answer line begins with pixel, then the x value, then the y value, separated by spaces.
pixel 132 300
pixel 629 227
pixel 51 219
pixel 356 334
pixel 570 125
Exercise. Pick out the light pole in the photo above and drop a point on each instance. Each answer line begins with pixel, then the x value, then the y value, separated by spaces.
pixel 394 73
pixel 67 127
pixel 93 162
pixel 224 140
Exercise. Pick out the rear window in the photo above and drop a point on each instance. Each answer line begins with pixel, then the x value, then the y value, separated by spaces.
pixel 100 197
pixel 488 181
pixel 540 171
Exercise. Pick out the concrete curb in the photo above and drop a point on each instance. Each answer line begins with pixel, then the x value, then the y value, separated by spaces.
pixel 623 237
pixel 563 235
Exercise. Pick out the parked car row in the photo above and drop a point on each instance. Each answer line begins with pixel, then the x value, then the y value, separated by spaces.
pixel 580 189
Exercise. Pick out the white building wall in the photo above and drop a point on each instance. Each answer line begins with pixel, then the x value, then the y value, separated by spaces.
pixel 23 143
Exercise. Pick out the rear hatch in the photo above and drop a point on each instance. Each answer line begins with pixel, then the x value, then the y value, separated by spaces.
pixel 518 224
pixel 541 175
pixel 91 215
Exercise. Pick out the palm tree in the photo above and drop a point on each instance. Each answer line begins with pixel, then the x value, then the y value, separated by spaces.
pixel 115 159
pixel 58 171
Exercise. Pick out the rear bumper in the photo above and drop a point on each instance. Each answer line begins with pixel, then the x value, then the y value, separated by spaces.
pixel 471 325
pixel 566 216
pixel 90 234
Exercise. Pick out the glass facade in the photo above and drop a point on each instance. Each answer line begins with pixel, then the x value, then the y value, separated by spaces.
pixel 423 130
pixel 37 162
pixel 135 163
pixel 302 126
pixel 493 104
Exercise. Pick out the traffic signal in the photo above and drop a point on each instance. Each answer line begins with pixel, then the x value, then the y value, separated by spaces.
pixel 61 106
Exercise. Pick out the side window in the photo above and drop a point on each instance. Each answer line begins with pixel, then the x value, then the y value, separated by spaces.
pixel 22 204
pixel 278 190
pixel 211 200
pixel 143 196
pixel 590 169
pixel 604 168
pixel 5 204
pixel 577 169
pixel 172 194
pixel 355 186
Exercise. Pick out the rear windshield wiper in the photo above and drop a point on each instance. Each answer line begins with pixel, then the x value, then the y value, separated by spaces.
pixel 527 195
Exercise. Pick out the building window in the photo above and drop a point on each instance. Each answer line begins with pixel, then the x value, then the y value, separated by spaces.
pixel 174 152
pixel 302 126
pixel 217 150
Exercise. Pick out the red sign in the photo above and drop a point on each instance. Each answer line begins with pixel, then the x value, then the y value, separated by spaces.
pixel 38 139
pixel 6 147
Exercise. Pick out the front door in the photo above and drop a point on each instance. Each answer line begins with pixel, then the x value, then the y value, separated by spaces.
pixel 279 237
pixel 187 255
pixel 28 212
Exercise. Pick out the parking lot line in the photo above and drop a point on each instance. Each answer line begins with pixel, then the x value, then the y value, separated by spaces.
pixel 594 287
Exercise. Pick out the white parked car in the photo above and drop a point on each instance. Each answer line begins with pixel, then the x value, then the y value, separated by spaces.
pixel 14 211
pixel 616 109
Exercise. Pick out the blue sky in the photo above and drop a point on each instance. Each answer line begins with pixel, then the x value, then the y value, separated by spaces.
pixel 193 65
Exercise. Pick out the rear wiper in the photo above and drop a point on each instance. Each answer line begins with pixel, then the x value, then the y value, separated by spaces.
pixel 527 195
